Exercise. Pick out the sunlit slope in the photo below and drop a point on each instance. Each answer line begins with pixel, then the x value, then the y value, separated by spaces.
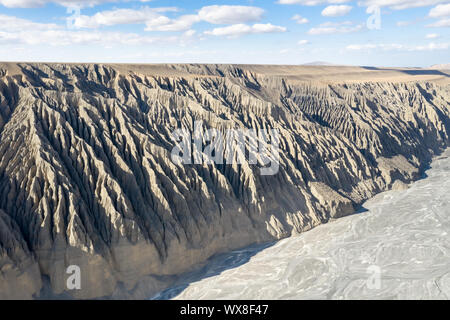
pixel 398 249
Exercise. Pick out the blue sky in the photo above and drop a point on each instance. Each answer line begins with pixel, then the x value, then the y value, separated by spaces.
pixel 365 32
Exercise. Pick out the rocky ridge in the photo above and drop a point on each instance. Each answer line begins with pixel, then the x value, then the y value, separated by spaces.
pixel 86 176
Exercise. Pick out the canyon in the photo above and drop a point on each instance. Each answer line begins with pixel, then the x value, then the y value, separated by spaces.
pixel 86 176
pixel 396 247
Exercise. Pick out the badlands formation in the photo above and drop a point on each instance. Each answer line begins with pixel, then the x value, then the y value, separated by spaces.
pixel 86 176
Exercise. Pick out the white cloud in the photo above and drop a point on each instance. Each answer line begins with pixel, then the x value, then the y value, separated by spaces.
pixel 120 16
pixel 401 4
pixel 157 22
pixel 442 10
pixel 22 3
pixel 230 14
pixel 441 23
pixel 303 42
pixel 311 2
pixel 299 19
pixel 190 33
pixel 431 47
pixel 399 47
pixel 165 24
pixel 432 36
pixel 331 28
pixel 336 11
pixel 16 30
pixel 63 38
pixel 14 24
pixel 236 30
pixel 40 3
pixel 381 46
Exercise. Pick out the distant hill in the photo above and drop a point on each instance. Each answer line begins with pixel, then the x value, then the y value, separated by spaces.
pixel 445 66
pixel 319 63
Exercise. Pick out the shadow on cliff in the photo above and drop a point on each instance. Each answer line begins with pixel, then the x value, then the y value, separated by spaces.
pixel 410 72
pixel 212 267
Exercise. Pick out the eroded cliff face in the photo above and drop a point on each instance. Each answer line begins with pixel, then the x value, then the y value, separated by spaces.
pixel 86 176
